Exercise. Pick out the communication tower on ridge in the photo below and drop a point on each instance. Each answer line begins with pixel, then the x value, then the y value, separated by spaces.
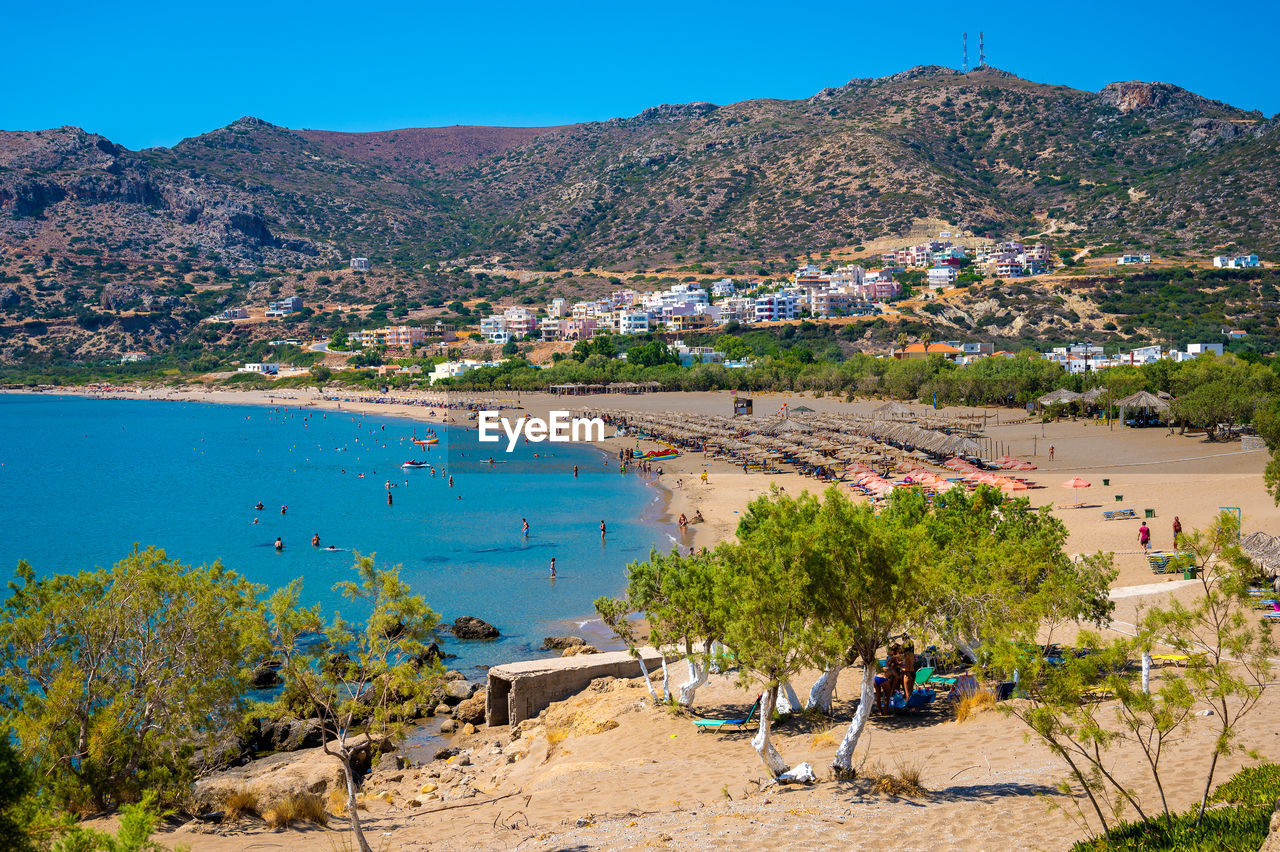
pixel 964 66
pixel 982 53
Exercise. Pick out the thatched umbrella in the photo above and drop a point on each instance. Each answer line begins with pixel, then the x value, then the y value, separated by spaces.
pixel 1142 400
pixel 1057 396
pixel 892 410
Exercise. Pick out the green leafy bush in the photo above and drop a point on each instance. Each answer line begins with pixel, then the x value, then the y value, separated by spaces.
pixel 1224 829
pixel 1256 786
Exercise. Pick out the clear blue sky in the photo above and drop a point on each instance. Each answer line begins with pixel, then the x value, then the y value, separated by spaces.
pixel 148 73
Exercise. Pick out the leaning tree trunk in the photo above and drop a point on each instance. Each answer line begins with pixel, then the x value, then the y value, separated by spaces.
pixel 716 649
pixel 823 691
pixel 666 683
pixel 843 764
pixel 644 670
pixel 1146 672
pixel 697 677
pixel 763 745
pixel 788 701
pixel 353 812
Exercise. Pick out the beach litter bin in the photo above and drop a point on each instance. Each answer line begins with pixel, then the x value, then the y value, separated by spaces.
pixel 1119 498
pixel 1106 482
pixel 1148 513
pixel 1189 574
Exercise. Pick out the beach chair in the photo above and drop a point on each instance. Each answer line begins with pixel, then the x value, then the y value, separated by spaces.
pixel 720 724
pixel 923 675
pixel 1118 514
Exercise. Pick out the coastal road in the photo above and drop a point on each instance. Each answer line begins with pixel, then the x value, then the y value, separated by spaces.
pixel 320 346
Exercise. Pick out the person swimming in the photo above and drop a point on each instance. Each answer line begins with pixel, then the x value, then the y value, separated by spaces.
pixel 284 509
pixel 259 507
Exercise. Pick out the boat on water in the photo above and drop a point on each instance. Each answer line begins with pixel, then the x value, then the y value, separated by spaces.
pixel 414 464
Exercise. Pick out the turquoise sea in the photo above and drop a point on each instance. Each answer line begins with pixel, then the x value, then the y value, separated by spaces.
pixel 83 480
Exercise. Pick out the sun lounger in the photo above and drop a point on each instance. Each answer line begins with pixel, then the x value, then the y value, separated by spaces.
pixel 719 724
pixel 1118 514
pixel 923 675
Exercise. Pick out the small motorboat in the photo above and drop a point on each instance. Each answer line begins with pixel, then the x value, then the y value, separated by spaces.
pixel 411 463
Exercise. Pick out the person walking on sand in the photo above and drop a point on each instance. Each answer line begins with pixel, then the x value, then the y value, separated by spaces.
pixel 1177 530
pixel 1051 452
pixel 1144 537
pixel 704 477
pixel 553 567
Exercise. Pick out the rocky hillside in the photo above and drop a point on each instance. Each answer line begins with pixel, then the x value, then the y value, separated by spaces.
pixel 1143 165
pixel 1148 163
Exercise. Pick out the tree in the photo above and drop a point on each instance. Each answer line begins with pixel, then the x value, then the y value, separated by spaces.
pixel 996 567
pixel 768 575
pixel 16 784
pixel 1228 667
pixel 338 340
pixel 320 374
pixel 110 677
pixel 360 682
pixel 651 354
pixel 1229 648
pixel 682 604
pixel 864 585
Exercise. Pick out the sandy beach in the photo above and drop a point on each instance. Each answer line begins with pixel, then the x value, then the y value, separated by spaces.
pixel 607 770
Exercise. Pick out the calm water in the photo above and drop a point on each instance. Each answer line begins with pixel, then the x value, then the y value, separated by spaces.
pixel 82 480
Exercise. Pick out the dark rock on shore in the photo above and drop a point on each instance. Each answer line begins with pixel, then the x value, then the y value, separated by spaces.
pixel 266 675
pixel 559 643
pixel 286 735
pixel 432 655
pixel 470 627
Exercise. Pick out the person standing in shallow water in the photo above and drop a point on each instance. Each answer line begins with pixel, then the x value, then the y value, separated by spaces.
pixel 553 567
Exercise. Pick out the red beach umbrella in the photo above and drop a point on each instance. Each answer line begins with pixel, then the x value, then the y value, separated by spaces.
pixel 1075 482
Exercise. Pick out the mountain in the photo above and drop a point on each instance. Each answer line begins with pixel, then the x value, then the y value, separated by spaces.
pixel 1140 164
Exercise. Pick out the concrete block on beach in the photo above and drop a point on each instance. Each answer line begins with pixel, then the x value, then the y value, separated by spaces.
pixel 519 691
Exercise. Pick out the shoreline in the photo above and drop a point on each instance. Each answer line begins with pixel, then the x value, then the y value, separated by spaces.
pixel 606 751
